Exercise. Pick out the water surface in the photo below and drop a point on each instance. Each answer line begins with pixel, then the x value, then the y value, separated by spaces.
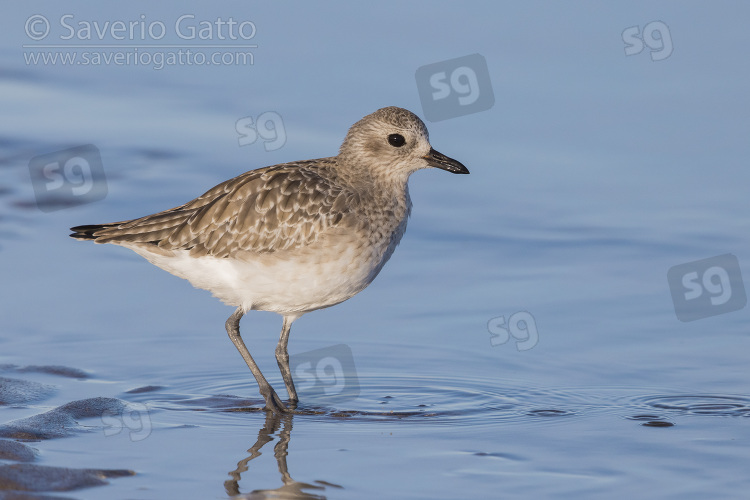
pixel 592 175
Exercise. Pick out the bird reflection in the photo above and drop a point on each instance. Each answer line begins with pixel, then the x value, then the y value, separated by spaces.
pixel 290 487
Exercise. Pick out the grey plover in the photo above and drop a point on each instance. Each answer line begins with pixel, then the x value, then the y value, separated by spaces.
pixel 295 237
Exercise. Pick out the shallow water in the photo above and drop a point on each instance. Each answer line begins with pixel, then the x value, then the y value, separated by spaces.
pixel 592 175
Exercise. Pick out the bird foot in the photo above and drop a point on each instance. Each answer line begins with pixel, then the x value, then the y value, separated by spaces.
pixel 274 403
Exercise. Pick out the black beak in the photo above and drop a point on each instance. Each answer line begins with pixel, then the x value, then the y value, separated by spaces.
pixel 439 160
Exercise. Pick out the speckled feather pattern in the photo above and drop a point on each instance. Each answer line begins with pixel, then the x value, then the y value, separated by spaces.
pixel 271 209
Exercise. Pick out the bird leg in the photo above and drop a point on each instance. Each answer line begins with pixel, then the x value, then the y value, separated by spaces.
pixel 282 358
pixel 273 403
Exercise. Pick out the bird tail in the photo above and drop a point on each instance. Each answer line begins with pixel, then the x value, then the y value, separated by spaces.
pixel 88 232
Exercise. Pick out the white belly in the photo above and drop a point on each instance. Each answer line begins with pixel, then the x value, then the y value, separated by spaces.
pixel 296 281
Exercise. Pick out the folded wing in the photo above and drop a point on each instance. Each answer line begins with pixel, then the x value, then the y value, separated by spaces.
pixel 266 210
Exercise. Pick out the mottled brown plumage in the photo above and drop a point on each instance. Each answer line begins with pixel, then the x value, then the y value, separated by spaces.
pixel 271 209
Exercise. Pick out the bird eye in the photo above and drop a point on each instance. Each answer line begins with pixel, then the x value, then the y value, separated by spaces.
pixel 396 140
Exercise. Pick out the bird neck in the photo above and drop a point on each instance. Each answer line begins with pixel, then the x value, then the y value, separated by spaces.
pixel 364 178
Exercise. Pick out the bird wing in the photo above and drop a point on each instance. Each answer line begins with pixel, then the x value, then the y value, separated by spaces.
pixel 265 210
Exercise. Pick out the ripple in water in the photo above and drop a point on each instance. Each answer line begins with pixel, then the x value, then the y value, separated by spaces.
pixel 438 400
pixel 446 401
pixel 701 404
pixel 651 420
